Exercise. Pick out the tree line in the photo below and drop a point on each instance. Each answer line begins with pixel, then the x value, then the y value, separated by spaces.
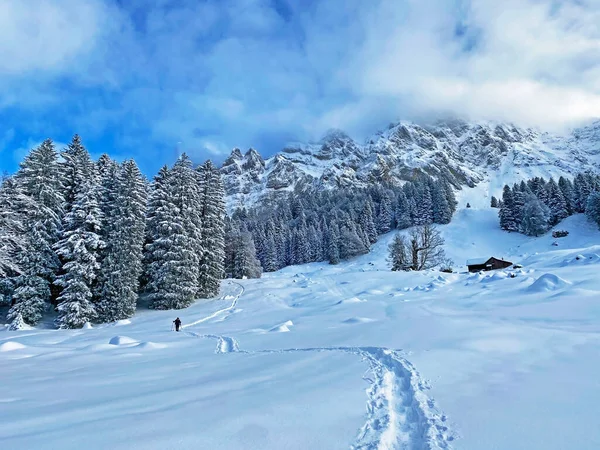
pixel 88 237
pixel 534 206
pixel 332 225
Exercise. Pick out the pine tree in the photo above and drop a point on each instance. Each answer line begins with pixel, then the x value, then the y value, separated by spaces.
pixel 38 180
pixel 17 323
pixel 582 190
pixel 440 207
pixel 13 203
pixel 592 209
pixel 403 218
pixel 424 205
pixel 566 187
pixel 508 221
pixel 270 262
pixel 385 215
pixel 520 193
pixel 367 222
pixel 77 169
pixel 300 245
pixel 494 202
pixel 78 250
pixel 399 256
pixel 240 254
pixel 450 197
pixel 333 236
pixel 212 231
pixel 174 249
pixel 121 267
pixel 30 299
pixel 350 243
pixel 556 202
pixel 536 217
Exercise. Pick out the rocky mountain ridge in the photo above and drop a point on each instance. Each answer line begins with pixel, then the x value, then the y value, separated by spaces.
pixel 466 153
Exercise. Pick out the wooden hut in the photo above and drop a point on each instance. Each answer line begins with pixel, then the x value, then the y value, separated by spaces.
pixel 475 265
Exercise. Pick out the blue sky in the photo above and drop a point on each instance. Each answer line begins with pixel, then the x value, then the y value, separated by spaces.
pixel 149 79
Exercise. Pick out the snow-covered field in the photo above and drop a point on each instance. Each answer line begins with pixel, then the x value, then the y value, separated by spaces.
pixel 336 357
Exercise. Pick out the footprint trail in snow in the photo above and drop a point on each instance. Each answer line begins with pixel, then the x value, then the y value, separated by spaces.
pixel 400 415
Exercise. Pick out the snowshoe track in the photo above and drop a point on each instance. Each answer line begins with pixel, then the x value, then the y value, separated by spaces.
pixel 400 415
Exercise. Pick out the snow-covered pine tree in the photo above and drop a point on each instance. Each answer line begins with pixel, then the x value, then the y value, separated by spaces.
pixel 107 170
pixel 592 209
pixel 536 217
pixel 566 187
pixel 212 231
pixel 385 216
pixel 38 179
pixel 77 169
pixel 316 243
pixel 18 323
pixel 494 202
pixel 240 254
pixel 367 222
pixel 282 238
pixel 300 245
pixel 582 188
pixel 260 238
pixel 399 255
pixel 440 207
pixel 450 197
pixel 121 267
pixel 333 237
pixel 12 227
pixel 410 193
pixel 30 299
pixel 246 263
pixel 78 250
pixel 403 218
pixel 350 243
pixel 174 247
pixel 520 193
pixel 424 205
pixel 556 202
pixel 270 262
pixel 508 220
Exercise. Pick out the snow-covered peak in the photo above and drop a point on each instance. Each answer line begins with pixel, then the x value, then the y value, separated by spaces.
pixel 464 152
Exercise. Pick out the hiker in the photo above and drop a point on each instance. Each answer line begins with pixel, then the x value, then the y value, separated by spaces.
pixel 177 323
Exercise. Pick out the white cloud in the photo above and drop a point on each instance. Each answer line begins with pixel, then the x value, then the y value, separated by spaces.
pixel 215 75
pixel 45 35
pixel 532 62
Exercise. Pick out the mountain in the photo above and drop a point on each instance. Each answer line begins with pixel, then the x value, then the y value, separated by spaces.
pixel 466 153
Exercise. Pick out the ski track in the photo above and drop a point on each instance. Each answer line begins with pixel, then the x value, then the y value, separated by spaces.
pixel 400 415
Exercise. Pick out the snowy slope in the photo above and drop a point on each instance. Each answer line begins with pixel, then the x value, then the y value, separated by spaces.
pixel 336 357
pixel 465 153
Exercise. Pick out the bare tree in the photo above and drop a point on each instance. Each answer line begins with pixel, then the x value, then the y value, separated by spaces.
pixel 423 249
pixel 426 247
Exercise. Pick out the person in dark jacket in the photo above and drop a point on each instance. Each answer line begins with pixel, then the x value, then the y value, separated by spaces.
pixel 177 323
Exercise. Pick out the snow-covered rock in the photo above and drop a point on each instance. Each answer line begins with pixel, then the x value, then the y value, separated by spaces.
pixel 122 340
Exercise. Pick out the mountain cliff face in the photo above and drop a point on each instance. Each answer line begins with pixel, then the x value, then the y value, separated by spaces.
pixel 465 153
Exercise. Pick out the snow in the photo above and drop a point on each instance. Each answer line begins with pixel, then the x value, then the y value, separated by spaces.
pixel 477 261
pixel 371 359
pixel 548 282
pixel 11 346
pixel 122 340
